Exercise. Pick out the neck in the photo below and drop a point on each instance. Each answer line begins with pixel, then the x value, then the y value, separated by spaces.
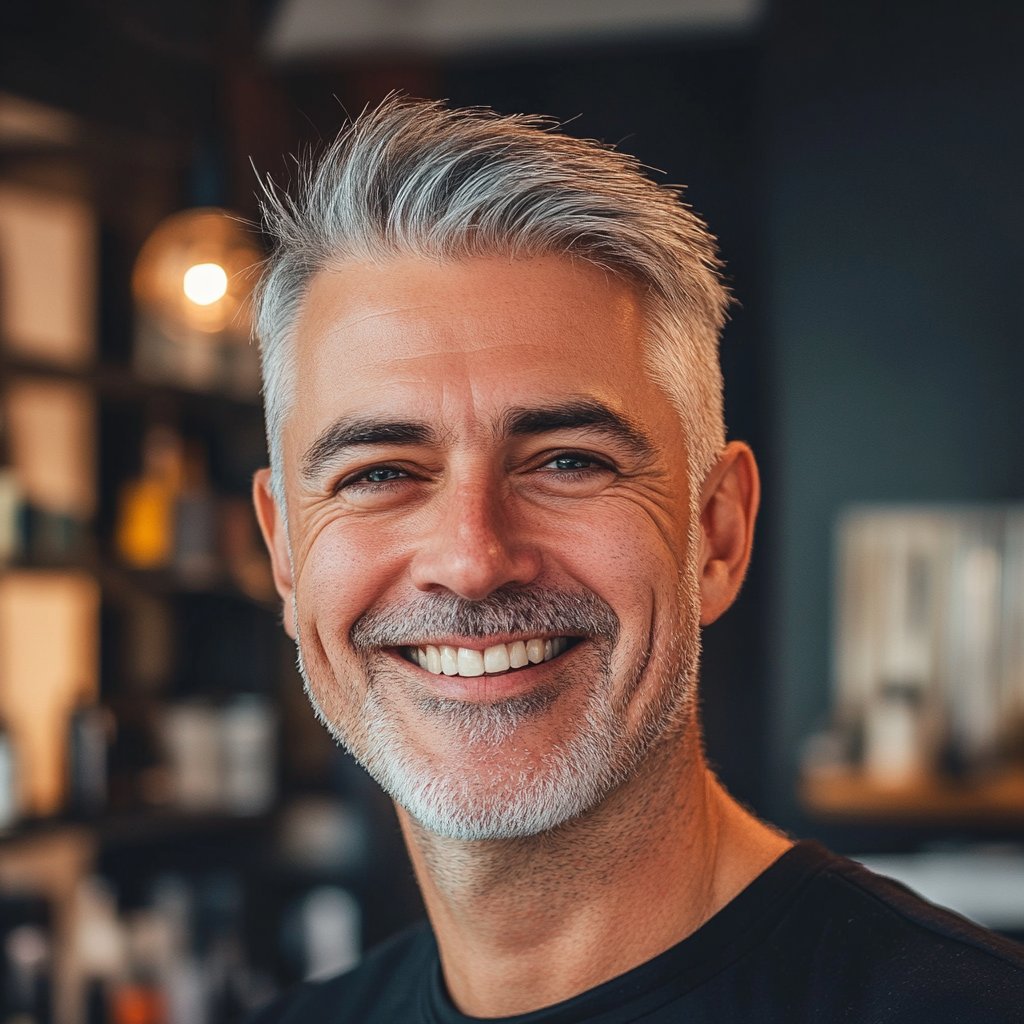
pixel 527 923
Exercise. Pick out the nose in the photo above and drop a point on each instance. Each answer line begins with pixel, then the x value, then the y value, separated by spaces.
pixel 473 546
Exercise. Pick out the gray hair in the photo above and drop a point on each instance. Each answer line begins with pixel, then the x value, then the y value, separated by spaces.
pixel 413 177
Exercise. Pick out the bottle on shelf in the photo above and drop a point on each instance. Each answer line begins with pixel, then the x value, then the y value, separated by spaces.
pixel 27 984
pixel 88 733
pixel 144 534
pixel 195 520
pixel 11 504
pixel 9 801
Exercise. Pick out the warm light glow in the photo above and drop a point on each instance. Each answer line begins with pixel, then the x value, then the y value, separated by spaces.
pixel 205 283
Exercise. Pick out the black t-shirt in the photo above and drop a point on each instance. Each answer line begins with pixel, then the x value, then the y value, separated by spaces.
pixel 816 937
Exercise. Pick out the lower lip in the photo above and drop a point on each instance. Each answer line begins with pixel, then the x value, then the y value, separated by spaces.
pixel 485 689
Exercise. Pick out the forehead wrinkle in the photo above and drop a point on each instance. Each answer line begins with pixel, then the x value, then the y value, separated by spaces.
pixel 379 314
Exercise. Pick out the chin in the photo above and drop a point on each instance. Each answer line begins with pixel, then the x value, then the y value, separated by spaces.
pixel 494 793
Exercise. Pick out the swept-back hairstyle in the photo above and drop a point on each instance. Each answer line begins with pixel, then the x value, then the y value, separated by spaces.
pixel 413 177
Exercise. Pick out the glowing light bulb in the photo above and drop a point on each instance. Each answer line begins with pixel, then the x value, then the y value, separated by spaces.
pixel 205 283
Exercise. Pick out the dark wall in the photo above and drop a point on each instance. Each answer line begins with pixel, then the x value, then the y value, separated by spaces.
pixel 894 237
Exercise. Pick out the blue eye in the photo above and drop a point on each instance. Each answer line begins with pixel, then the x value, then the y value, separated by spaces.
pixel 573 466
pixel 572 463
pixel 380 475
pixel 376 478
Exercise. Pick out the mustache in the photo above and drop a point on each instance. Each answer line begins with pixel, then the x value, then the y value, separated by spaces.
pixel 506 610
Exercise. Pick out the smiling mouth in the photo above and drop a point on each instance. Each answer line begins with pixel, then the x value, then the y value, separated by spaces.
pixel 465 661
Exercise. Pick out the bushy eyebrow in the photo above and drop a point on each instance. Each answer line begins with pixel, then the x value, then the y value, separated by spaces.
pixel 588 415
pixel 359 432
pixel 578 414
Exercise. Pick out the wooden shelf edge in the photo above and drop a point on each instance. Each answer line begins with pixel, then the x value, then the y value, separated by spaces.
pixel 848 796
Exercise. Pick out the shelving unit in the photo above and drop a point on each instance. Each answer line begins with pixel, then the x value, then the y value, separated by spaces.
pixel 171 636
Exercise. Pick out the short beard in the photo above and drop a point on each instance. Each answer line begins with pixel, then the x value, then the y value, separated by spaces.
pixel 568 779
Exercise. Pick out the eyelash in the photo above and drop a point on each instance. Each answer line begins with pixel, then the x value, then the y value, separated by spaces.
pixel 596 465
pixel 360 482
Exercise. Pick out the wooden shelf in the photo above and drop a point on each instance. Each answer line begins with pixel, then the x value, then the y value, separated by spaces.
pixel 120 580
pixel 139 828
pixel 121 382
pixel 847 796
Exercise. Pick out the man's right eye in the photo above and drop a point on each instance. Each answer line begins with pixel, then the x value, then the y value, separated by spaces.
pixel 377 477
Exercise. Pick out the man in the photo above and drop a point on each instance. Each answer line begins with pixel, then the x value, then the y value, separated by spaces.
pixel 500 507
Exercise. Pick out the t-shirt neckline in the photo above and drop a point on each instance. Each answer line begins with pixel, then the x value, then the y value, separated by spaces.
pixel 721 940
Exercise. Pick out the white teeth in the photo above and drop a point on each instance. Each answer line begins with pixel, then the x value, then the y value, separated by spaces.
pixel 496 659
pixel 433 660
pixel 471 663
pixel 450 661
pixel 517 655
pixel 466 661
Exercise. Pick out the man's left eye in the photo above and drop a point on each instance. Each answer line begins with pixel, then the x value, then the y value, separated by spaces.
pixel 382 475
pixel 574 462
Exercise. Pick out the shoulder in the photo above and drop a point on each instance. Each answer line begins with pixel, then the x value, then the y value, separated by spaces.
pixel 385 986
pixel 885 944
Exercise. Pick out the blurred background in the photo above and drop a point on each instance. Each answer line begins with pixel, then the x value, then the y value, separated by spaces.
pixel 178 837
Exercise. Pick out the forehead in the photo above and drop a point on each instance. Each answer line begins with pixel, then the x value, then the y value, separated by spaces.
pixel 460 341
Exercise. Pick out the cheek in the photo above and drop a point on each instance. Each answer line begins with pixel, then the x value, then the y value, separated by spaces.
pixel 345 571
pixel 624 558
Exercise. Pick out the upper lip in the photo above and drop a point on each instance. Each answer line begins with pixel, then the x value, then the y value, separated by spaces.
pixel 477 643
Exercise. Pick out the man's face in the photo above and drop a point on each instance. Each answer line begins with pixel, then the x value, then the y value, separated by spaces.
pixel 480 475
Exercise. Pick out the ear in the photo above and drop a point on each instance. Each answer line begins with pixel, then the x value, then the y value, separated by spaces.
pixel 275 537
pixel 728 501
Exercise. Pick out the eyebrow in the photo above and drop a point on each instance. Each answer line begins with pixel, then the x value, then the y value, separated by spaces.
pixel 578 414
pixel 359 432
pixel 365 431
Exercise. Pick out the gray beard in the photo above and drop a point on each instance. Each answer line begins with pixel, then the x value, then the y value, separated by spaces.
pixel 498 799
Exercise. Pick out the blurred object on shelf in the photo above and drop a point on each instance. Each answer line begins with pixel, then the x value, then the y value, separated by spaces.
pixel 145 522
pixel 10 801
pixel 24 121
pixel 12 540
pixel 171 518
pixel 26 995
pixel 928 657
pixel 221 757
pixel 97 948
pixel 50 440
pixel 49 625
pixel 196 557
pixel 178 957
pixel 192 748
pixel 323 834
pixel 985 883
pixel 90 730
pixel 248 742
pixel 147 644
pixel 40 874
pixel 192 284
pixel 48 258
pixel 330 927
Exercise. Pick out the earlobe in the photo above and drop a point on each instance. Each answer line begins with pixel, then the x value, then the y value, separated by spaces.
pixel 729 502
pixel 276 538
